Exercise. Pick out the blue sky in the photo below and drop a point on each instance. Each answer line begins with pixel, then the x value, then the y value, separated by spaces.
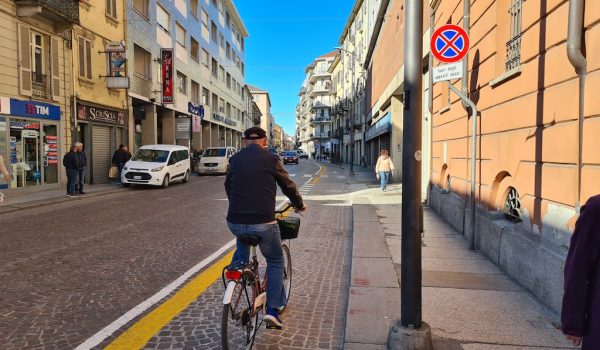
pixel 285 36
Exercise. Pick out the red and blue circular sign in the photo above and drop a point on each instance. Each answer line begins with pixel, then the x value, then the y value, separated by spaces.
pixel 449 43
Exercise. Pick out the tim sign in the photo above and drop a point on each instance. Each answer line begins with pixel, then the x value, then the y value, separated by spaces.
pixel 166 56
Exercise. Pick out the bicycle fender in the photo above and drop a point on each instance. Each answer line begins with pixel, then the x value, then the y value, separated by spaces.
pixel 229 292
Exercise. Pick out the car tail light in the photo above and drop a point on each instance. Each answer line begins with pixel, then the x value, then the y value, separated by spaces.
pixel 233 274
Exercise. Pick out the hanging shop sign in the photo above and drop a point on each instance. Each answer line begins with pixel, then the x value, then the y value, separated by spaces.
pixel 102 115
pixel 34 109
pixel 166 57
pixel 196 123
pixel 196 109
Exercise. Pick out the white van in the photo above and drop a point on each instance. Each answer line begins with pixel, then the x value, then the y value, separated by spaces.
pixel 157 165
pixel 215 160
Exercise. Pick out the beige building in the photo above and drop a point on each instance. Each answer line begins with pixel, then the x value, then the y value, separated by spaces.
pixel 278 137
pixel 263 101
pixel 35 98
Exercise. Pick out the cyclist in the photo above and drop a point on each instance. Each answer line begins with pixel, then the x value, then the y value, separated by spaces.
pixel 251 186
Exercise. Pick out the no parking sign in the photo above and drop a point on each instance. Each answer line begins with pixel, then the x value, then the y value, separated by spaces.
pixel 449 43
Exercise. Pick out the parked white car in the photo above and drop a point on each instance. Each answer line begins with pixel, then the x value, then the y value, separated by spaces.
pixel 157 165
pixel 215 160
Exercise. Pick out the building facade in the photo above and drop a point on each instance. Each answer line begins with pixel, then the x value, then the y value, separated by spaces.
pixel 35 93
pixel 537 157
pixel 262 99
pixel 278 137
pixel 99 80
pixel 205 39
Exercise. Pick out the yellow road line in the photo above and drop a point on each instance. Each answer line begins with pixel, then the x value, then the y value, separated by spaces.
pixel 317 178
pixel 142 331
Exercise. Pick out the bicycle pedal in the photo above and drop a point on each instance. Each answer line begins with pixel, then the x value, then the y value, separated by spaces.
pixel 273 327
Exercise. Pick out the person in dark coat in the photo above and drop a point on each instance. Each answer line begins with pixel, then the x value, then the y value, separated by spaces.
pixel 82 164
pixel 71 164
pixel 581 302
pixel 120 157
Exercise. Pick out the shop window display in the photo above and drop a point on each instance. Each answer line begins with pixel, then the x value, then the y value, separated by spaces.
pixel 25 153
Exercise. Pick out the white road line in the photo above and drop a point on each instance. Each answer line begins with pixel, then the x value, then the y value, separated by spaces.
pixel 341 177
pixel 325 176
pixel 292 175
pixel 150 302
pixel 307 175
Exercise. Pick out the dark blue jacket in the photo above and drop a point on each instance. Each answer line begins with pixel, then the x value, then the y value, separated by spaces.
pixel 251 186
pixel 71 161
pixel 82 157
pixel 581 301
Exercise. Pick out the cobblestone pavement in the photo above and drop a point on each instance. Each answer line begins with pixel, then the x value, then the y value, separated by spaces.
pixel 69 269
pixel 315 316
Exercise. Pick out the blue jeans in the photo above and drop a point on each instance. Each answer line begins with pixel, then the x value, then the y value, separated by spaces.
pixel 383 177
pixel 79 186
pixel 72 175
pixel 119 171
pixel 270 247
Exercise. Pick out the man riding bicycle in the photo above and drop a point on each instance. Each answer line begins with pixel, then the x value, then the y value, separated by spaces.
pixel 251 186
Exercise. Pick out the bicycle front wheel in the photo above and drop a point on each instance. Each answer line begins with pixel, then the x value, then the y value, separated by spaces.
pixel 239 323
pixel 287 273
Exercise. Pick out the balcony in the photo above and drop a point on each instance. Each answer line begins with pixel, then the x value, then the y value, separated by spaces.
pixel 39 84
pixel 319 73
pixel 320 120
pixel 59 11
pixel 320 89
pixel 321 135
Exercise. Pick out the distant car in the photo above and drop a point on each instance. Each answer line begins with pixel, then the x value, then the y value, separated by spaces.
pixel 290 157
pixel 215 160
pixel 157 165
pixel 302 154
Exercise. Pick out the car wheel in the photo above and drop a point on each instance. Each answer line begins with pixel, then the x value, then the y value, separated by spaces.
pixel 166 181
pixel 186 178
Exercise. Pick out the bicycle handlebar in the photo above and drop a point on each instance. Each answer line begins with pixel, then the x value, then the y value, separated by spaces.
pixel 284 209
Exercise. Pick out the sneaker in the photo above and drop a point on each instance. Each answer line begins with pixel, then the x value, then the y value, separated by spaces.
pixel 82 192
pixel 272 319
pixel 71 195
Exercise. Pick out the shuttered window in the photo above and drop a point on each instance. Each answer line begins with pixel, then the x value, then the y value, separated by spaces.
pixel 85 58
pixel 111 8
pixel 180 34
pixel 163 18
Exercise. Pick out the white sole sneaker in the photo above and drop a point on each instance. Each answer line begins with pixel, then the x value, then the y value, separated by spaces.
pixel 272 321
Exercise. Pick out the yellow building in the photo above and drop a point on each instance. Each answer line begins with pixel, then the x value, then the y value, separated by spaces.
pixel 35 63
pixel 99 80
pixel 277 137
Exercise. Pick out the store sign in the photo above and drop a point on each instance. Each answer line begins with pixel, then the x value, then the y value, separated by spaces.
pixel 224 119
pixel 196 109
pixel 30 134
pixel 51 150
pixel 166 57
pixel 196 123
pixel 182 131
pixel 103 115
pixel 382 126
pixel 34 109
pixel 22 124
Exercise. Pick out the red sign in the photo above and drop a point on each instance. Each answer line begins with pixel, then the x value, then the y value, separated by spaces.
pixel 166 56
pixel 449 43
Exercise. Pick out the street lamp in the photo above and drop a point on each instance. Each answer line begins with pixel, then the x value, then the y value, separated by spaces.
pixel 352 116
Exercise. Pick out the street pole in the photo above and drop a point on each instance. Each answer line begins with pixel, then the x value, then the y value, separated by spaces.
pixel 352 112
pixel 410 332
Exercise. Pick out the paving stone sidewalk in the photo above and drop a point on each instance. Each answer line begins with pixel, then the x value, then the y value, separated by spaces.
pixel 468 302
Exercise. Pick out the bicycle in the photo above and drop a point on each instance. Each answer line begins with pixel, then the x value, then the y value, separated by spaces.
pixel 245 293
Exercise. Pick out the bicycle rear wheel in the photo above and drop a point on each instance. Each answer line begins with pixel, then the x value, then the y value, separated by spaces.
pixel 238 323
pixel 287 273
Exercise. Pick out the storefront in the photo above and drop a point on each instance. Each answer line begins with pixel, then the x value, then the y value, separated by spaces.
pixel 377 137
pixel 30 143
pixel 101 130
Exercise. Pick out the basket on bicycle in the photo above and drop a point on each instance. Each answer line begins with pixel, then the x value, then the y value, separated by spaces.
pixel 289 227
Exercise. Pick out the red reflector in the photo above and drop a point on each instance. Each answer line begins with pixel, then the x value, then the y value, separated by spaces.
pixel 233 274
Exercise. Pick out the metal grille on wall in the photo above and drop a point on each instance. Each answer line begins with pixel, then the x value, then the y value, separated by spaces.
pixel 513 46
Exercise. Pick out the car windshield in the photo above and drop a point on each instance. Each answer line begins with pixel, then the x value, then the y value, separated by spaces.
pixel 289 154
pixel 214 152
pixel 151 155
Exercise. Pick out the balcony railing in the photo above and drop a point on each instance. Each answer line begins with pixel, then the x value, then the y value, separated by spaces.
pixel 319 119
pixel 39 85
pixel 321 135
pixel 56 10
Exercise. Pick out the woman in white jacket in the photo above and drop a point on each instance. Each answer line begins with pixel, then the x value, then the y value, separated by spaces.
pixel 383 168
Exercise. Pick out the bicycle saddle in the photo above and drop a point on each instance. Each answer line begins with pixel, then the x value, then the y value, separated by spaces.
pixel 250 239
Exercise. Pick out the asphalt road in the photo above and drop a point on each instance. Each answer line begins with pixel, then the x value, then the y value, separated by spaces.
pixel 69 269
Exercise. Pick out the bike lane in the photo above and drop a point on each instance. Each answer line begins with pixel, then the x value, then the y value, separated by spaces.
pixel 190 317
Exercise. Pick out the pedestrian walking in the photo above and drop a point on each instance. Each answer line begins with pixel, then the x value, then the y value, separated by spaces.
pixel 383 168
pixel 71 164
pixel 581 302
pixel 251 185
pixel 82 157
pixel 119 158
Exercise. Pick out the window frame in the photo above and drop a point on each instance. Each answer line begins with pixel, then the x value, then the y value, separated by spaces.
pixel 167 29
pixel 179 27
pixel 145 12
pixel 195 57
pixel 214 33
pixel 194 12
pixel 87 58
pixel 147 65
pixel 195 93
pixel 180 77
pixel 108 6
pixel 205 59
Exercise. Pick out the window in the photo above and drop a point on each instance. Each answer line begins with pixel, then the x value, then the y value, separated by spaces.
pixel 204 19
pixel 222 40
pixel 227 19
pixel 205 57
pixel 194 8
pixel 228 51
pixel 242 41
pixel 215 68
pixel 513 46
pixel 221 105
pixel 222 73
pixel 85 58
pixel 195 92
pixel 215 102
pixel 195 49
pixel 181 83
pixel 38 48
pixel 142 62
pixel 163 18
pixel 228 81
pixel 228 110
pixel 213 32
pixel 180 34
pixel 141 6
pixel 205 94
pixel 214 2
pixel 243 69
pixel 111 8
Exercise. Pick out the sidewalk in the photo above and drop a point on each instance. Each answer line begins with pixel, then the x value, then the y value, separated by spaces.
pixel 30 199
pixel 468 302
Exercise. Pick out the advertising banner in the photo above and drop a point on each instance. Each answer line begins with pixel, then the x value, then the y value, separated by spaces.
pixel 166 57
